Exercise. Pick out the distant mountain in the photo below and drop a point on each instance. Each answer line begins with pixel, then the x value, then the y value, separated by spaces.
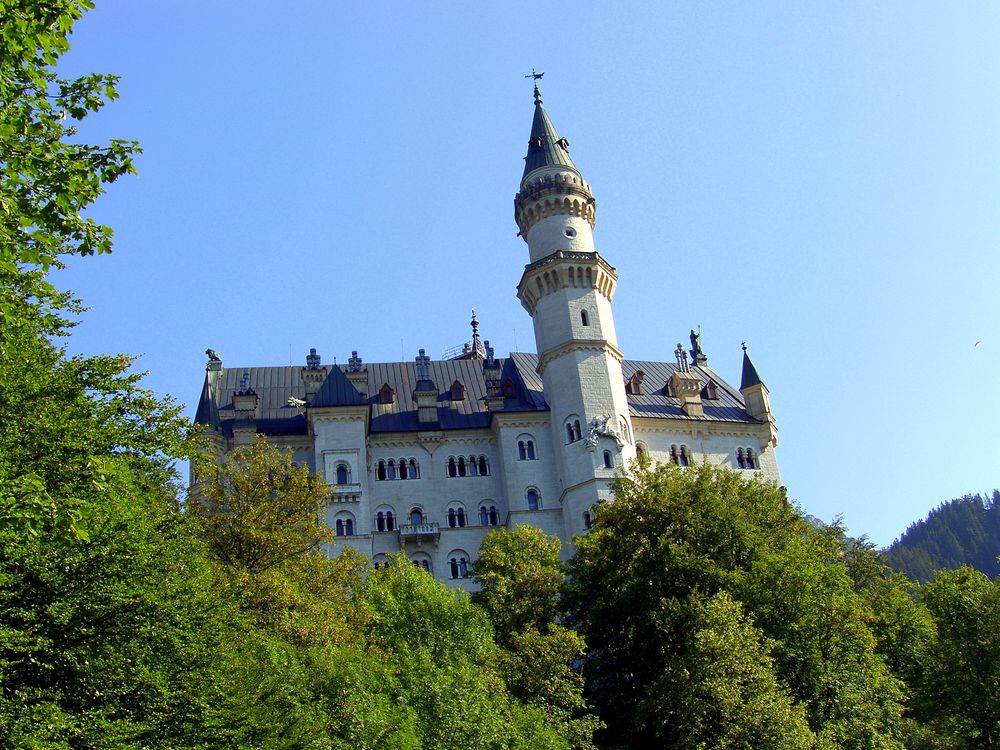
pixel 964 531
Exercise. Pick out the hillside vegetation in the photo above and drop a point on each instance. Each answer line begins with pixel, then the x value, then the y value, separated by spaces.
pixel 964 531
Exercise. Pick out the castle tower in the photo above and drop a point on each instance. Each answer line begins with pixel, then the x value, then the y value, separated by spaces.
pixel 567 289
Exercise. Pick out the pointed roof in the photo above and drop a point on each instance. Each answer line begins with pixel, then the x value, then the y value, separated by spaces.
pixel 749 376
pixel 545 147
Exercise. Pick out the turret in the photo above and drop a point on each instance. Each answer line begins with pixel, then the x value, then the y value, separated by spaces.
pixel 757 398
pixel 567 288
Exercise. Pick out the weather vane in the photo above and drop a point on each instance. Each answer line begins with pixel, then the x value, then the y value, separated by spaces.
pixel 534 75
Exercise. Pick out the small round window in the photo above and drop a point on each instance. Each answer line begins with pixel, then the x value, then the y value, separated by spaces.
pixel 569 232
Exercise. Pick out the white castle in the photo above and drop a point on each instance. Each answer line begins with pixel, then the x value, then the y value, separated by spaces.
pixel 429 456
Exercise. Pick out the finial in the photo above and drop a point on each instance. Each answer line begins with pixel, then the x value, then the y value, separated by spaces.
pixel 313 359
pixel 477 346
pixel 744 343
pixel 536 77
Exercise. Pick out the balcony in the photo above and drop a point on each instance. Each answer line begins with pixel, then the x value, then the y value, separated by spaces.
pixel 419 533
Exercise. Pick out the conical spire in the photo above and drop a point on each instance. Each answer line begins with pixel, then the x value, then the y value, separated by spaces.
pixel 749 376
pixel 545 147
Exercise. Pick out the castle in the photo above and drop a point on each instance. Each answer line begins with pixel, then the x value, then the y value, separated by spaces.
pixel 428 456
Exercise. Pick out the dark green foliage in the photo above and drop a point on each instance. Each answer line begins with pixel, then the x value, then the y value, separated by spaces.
pixel 674 540
pixel 964 531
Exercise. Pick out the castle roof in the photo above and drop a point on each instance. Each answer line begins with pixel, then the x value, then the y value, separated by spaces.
pixel 545 147
pixel 281 390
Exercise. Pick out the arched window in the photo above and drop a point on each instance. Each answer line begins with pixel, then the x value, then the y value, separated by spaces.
pixel 461 466
pixel 674 455
pixel 343 474
pixel 403 473
pixel 488 515
pixel 390 522
pixel 414 471
pixel 340 527
pixel 531 450
pixel 531 496
pixel 380 562
pixel 641 452
pixel 609 461
pixel 741 460
pixel 508 388
pixel 494 517
pixel 422 561
pixel 588 520
pixel 380 521
pixel 386 395
pixel 522 452
pixel 573 432
pixel 484 516
pixel 457 391
pixel 458 562
pixel 685 456
pixel 349 526
pixel 569 433
pixel 484 467
pixel 344 525
pixel 584 318
pixel 452 467
pixel 577 434
pixel 473 468
pixel 456 517
pixel 416 516
pixel 390 469
pixel 380 471
pixel 752 462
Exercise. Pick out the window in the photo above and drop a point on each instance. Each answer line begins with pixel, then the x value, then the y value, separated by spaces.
pixel 386 395
pixel 681 456
pixel 390 470
pixel 457 391
pixel 414 469
pixel 343 474
pixel 508 388
pixel 416 516
pixel 531 496
pixel 710 391
pixel 641 452
pixel 588 520
pixel 746 459
pixel 380 562
pixel 380 471
pixel 488 515
pixel 609 461
pixel 384 520
pixel 456 517
pixel 421 561
pixel 526 448
pixel 573 431
pixel 344 525
pixel 403 473
pixel 458 561
pixel 584 318
pixel 468 466
pixel 634 385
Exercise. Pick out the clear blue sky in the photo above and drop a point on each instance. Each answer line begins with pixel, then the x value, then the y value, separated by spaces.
pixel 821 180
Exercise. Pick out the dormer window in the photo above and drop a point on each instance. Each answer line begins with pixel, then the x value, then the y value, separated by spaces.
pixel 710 391
pixel 457 391
pixel 563 144
pixel 634 385
pixel 508 388
pixel 386 395
pixel 669 390
pixel 535 143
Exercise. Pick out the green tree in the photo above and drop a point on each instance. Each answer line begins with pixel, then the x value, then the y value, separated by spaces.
pixel 674 538
pixel 47 177
pixel 521 579
pixel 258 509
pixel 959 690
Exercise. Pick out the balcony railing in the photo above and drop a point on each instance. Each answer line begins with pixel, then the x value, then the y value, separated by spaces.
pixel 419 532
pixel 345 493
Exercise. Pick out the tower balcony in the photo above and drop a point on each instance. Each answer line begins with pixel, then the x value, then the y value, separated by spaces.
pixel 345 493
pixel 419 533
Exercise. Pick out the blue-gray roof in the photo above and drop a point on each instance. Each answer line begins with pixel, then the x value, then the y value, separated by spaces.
pixel 274 387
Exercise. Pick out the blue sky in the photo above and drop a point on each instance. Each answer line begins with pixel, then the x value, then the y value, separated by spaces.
pixel 820 180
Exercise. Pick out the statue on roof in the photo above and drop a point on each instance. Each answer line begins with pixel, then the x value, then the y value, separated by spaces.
pixel 697 354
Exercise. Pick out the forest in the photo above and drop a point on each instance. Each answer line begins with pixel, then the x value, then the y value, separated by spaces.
pixel 702 610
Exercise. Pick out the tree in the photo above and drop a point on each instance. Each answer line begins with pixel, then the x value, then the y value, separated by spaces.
pixel 47 180
pixel 674 539
pixel 521 580
pixel 259 509
pixel 959 689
